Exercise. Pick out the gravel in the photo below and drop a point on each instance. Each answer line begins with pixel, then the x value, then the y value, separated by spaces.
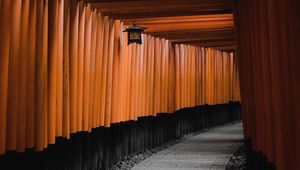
pixel 130 161
pixel 238 160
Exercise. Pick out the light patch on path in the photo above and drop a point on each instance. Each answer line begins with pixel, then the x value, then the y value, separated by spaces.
pixel 210 150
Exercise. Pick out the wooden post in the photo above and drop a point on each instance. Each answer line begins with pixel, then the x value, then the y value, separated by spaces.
pixel 5 15
pixel 60 53
pixel 116 102
pixel 81 119
pixel 92 67
pixel 52 60
pixel 66 71
pixel 104 69
pixel 14 77
pixel 30 112
pixel 41 106
pixel 86 68
pixel 98 52
pixel 100 47
pixel 109 73
pixel 21 131
pixel 74 19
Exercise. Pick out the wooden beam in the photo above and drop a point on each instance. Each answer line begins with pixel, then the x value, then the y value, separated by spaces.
pixel 205 22
pixel 141 15
pixel 226 48
pixel 207 31
pixel 147 8
pixel 172 19
pixel 186 26
pixel 185 23
pixel 193 33
pixel 154 6
pixel 216 43
pixel 199 39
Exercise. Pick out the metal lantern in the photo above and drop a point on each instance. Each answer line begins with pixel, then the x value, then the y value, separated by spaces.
pixel 134 34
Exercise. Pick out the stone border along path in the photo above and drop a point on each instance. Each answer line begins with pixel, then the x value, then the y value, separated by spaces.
pixel 210 150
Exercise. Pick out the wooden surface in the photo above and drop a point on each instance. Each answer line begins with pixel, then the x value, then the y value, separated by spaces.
pixel 67 68
pixel 196 22
pixel 146 8
pixel 267 34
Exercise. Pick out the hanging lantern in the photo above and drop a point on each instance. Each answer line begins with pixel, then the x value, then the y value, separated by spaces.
pixel 134 34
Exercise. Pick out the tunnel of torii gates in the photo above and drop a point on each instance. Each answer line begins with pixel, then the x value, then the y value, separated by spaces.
pixel 74 95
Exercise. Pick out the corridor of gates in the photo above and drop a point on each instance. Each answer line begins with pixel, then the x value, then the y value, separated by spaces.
pixel 97 84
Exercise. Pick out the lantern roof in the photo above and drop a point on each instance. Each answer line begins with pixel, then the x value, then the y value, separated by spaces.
pixel 135 28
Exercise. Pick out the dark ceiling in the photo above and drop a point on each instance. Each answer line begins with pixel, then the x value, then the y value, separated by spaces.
pixel 206 23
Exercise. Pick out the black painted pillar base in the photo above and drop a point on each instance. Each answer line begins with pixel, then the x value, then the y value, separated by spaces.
pixel 256 160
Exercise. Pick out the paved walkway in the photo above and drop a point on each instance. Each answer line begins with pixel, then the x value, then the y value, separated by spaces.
pixel 209 150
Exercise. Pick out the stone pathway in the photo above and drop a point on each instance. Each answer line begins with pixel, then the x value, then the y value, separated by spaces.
pixel 210 150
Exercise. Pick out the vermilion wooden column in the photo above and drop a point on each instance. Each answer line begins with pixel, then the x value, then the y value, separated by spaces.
pixel 52 67
pixel 157 76
pixel 141 86
pixel 60 53
pixel 204 73
pixel 151 73
pixel 177 82
pixel 104 69
pixel 14 77
pixel 163 76
pixel 41 96
pixel 4 67
pixel 122 76
pixel 132 86
pixel 24 57
pixel 144 96
pixel 74 19
pixel 116 75
pixel 146 75
pixel 137 82
pixel 92 67
pixel 30 98
pixel 97 66
pixel 172 77
pixel 193 77
pixel 128 79
pixel 110 56
pixel 99 53
pixel 81 116
pixel 66 71
pixel 86 69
